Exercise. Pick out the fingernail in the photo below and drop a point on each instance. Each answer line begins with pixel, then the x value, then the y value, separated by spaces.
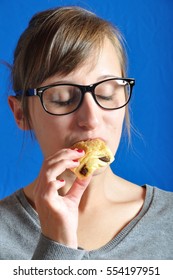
pixel 75 160
pixel 80 151
pixel 62 180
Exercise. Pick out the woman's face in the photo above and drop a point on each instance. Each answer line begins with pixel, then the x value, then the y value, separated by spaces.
pixel 89 120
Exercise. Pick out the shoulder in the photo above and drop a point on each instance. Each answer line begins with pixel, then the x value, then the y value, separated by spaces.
pixel 162 200
pixel 9 205
pixel 163 195
pixel 8 201
pixel 9 216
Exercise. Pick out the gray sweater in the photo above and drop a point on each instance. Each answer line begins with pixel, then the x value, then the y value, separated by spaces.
pixel 148 236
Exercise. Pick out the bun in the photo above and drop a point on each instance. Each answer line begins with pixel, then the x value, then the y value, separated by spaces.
pixel 97 155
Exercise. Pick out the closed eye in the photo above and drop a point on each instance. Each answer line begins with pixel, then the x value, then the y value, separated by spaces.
pixel 64 103
pixel 104 97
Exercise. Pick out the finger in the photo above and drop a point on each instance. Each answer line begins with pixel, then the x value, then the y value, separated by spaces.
pixel 76 191
pixel 66 159
pixel 58 168
pixel 47 177
pixel 65 154
pixel 53 167
pixel 52 188
pixel 50 192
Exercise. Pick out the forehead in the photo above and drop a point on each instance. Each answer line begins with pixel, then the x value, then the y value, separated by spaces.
pixel 99 65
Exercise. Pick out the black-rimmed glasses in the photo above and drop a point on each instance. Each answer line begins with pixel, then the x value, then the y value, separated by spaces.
pixel 65 98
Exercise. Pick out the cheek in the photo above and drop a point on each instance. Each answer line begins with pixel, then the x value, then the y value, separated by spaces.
pixel 115 119
pixel 52 132
pixel 114 128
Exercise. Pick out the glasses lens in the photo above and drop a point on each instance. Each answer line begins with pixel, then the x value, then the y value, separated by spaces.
pixel 113 94
pixel 61 99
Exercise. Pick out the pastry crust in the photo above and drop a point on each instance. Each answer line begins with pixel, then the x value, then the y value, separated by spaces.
pixel 97 155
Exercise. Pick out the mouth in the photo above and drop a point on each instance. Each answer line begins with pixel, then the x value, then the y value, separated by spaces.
pixel 87 139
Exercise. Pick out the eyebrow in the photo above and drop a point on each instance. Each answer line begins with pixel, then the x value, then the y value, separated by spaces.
pixel 107 77
pixel 100 78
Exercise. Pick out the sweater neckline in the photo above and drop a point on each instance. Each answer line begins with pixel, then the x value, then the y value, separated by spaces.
pixel 118 238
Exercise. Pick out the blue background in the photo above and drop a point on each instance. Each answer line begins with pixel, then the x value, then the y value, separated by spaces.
pixel 147 26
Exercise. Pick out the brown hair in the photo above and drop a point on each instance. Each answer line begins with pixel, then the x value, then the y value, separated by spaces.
pixel 57 41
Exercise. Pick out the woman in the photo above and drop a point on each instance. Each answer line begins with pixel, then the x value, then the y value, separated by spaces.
pixel 66 64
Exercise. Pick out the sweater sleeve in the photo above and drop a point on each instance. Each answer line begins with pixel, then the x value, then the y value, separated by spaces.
pixel 50 250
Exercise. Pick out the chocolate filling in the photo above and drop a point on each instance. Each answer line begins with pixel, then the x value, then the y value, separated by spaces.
pixel 105 159
pixel 84 170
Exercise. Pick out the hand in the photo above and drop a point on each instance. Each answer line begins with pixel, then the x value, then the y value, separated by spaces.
pixel 59 214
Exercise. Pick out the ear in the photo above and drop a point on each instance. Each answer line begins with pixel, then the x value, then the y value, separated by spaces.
pixel 16 108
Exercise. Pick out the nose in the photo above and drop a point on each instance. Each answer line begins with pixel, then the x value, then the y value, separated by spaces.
pixel 88 113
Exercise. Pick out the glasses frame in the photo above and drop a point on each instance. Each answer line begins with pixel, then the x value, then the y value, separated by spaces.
pixel 83 88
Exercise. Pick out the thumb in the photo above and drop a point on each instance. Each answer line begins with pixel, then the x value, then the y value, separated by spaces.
pixel 76 191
